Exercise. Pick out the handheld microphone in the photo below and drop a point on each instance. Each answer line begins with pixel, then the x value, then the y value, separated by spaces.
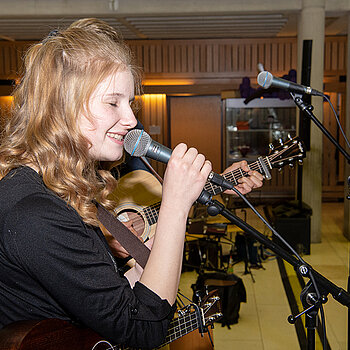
pixel 139 144
pixel 266 79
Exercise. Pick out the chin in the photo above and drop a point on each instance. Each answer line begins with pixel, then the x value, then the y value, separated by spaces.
pixel 113 158
pixel 108 156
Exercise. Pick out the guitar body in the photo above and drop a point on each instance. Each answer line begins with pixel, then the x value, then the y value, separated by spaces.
pixel 55 334
pixel 137 191
pixel 48 334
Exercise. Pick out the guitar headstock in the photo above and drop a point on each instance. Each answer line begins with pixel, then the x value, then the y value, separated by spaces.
pixel 287 153
pixel 211 307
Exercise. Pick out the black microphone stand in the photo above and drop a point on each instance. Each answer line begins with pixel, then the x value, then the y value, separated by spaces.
pixel 308 296
pixel 307 109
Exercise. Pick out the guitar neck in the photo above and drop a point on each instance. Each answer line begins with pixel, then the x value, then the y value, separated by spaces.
pixel 181 326
pixel 178 328
pixel 235 175
pixel 151 212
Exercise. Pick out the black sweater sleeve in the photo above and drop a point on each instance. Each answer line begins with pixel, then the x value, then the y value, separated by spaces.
pixel 70 271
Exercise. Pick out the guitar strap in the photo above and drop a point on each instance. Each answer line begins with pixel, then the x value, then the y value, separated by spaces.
pixel 123 235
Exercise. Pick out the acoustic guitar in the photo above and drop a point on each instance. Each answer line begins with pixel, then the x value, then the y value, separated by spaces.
pixel 139 192
pixel 55 334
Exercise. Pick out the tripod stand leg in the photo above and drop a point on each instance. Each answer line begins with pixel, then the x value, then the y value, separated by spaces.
pixel 349 316
pixel 311 338
pixel 311 325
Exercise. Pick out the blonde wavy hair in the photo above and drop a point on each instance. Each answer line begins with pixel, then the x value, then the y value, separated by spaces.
pixel 60 75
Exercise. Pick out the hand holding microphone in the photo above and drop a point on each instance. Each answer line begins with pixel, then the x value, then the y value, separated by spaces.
pixel 186 173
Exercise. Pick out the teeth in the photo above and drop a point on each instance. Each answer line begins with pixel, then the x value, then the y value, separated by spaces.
pixel 115 136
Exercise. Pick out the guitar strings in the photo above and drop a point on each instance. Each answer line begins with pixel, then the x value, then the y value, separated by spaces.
pixel 151 212
pixel 192 318
pixel 181 326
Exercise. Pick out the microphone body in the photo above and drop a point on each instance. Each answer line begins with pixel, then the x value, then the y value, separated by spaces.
pixel 139 144
pixel 266 80
pixel 158 152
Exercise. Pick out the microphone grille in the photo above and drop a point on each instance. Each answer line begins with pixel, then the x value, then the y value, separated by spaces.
pixel 137 142
pixel 265 79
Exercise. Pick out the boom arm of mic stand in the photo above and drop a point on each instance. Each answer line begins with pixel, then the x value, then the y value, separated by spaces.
pixel 307 109
pixel 339 294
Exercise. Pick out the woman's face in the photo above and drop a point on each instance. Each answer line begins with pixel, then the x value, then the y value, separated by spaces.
pixel 111 116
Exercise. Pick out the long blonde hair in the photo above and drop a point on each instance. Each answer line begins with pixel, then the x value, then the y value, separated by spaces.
pixel 60 75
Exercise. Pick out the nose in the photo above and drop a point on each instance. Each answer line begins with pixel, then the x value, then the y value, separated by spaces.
pixel 129 119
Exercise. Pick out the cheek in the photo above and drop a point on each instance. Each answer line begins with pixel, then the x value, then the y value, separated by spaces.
pixel 94 130
pixel 86 126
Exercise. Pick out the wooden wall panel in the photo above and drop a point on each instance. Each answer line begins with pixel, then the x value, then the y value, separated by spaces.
pixel 11 58
pixel 153 116
pixel 205 58
pixel 196 120
pixel 335 56
pixel 332 160
pixel 209 58
pixel 5 110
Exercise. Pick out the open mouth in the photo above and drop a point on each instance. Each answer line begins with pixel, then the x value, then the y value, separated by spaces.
pixel 117 137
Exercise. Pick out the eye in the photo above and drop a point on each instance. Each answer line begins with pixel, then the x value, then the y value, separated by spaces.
pixel 113 104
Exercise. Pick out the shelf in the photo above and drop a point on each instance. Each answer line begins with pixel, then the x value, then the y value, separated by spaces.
pixel 260 130
pixel 255 126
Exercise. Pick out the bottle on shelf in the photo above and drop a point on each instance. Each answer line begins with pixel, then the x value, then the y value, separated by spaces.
pixel 230 265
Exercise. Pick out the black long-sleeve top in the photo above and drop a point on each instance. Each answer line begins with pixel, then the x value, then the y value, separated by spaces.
pixel 53 265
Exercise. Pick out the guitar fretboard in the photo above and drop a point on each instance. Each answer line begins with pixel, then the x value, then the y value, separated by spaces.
pixel 235 175
pixel 181 326
pixel 292 150
pixel 151 212
pixel 178 328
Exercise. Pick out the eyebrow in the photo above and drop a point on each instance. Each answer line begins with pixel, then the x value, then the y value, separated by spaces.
pixel 119 94
pixel 114 94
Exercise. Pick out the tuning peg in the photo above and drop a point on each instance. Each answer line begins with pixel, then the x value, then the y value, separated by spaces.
pixel 291 165
pixel 289 136
pixel 271 146
pixel 300 161
pixel 280 141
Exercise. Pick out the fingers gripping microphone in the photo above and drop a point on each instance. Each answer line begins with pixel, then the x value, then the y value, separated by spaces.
pixel 139 144
pixel 266 80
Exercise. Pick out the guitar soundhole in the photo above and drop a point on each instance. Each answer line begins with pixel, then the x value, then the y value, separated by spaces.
pixel 136 218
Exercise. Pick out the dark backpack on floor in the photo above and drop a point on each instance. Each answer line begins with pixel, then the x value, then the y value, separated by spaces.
pixel 231 291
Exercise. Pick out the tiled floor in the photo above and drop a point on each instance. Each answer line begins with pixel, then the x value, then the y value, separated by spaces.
pixel 263 319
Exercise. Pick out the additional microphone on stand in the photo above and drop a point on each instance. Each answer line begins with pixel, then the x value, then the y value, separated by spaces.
pixel 266 80
pixel 260 67
pixel 139 144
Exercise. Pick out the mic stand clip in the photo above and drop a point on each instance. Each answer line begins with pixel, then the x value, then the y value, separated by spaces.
pixel 311 306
